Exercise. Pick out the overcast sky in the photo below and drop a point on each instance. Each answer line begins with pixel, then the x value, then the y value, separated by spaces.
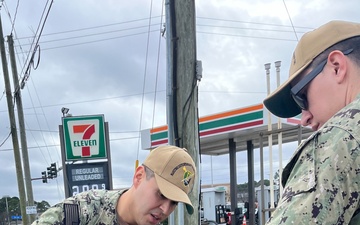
pixel 95 59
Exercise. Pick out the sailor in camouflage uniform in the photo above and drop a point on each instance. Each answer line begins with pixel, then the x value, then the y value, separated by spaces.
pixel 165 178
pixel 322 180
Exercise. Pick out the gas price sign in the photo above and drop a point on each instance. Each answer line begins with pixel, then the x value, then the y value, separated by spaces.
pixel 87 176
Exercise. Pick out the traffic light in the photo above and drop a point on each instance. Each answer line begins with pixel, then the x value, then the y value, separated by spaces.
pixel 49 172
pixel 53 170
pixel 43 176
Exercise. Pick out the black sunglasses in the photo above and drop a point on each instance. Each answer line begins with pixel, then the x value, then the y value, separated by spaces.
pixel 300 98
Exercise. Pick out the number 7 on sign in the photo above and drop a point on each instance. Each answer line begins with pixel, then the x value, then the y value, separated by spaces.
pixel 88 130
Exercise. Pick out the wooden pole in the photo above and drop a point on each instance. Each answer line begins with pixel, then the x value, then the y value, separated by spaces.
pixel 15 141
pixel 186 93
pixel 24 148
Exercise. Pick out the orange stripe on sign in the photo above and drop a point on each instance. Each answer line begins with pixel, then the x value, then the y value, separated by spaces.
pixel 80 128
pixel 231 113
pixel 158 129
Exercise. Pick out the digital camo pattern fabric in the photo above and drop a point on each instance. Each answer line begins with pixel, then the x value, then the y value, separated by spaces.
pixel 95 207
pixel 322 178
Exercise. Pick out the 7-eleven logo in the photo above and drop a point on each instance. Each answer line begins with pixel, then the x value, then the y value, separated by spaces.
pixel 84 137
pixel 87 131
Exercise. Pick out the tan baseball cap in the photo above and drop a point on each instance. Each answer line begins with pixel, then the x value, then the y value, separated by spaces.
pixel 311 44
pixel 174 172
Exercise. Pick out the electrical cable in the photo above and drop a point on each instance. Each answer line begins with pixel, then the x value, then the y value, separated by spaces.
pixel 95 34
pixel 292 25
pixel 95 27
pixel 58 145
pixel 246 36
pixel 13 22
pixel 101 33
pixel 174 72
pixel 187 105
pixel 247 22
pixel 38 35
pixel 247 28
pixel 129 35
pixel 38 122
pixel 157 67
pixel 90 42
pixel 143 88
pixel 3 142
pixel 85 101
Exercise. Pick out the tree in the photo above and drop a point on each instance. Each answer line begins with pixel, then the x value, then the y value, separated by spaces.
pixel 14 207
pixel 42 206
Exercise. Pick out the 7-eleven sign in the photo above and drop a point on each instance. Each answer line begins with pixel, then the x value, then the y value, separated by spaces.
pixel 84 137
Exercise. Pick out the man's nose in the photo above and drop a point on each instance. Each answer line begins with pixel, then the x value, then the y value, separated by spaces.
pixel 305 118
pixel 167 207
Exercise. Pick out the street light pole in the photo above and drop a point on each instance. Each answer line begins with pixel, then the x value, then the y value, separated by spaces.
pixel 7 208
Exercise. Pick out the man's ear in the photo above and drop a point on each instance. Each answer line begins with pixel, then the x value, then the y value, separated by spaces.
pixel 139 175
pixel 339 65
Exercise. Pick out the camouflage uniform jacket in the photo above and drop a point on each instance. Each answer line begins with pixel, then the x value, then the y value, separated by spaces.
pixel 95 207
pixel 322 180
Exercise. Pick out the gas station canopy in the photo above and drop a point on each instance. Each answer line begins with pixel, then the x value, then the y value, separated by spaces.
pixel 241 125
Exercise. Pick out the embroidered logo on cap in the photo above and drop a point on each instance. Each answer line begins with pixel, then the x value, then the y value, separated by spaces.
pixel 187 176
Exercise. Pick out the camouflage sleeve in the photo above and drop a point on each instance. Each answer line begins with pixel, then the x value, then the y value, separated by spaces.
pixel 322 187
pixel 89 206
pixel 53 215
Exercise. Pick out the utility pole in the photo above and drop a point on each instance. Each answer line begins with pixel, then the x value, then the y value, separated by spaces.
pixel 18 167
pixel 184 79
pixel 19 106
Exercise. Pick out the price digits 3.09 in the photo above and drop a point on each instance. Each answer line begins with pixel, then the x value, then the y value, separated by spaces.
pixel 80 188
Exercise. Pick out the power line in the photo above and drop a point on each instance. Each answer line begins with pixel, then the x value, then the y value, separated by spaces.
pixel 292 25
pixel 157 65
pixel 245 28
pixel 57 145
pixel 86 101
pixel 132 95
pixel 157 30
pixel 95 34
pixel 3 142
pixel 248 22
pixel 198 24
pixel 37 34
pixel 138 27
pixel 35 43
pixel 101 40
pixel 95 27
pixel 13 22
pixel 246 36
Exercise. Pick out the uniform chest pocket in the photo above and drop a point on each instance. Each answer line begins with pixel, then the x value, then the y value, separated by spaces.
pixel 302 178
